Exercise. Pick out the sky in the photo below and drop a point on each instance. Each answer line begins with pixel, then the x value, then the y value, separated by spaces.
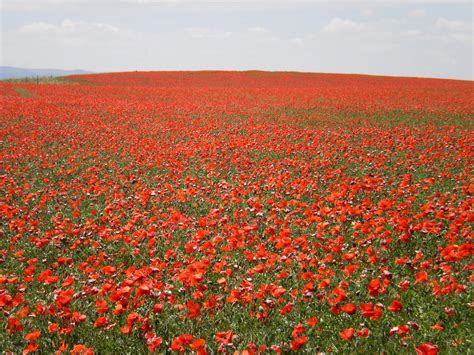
pixel 400 38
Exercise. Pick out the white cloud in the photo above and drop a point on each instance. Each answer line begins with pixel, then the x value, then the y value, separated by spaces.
pixel 337 25
pixel 35 5
pixel 37 28
pixel 203 32
pixel 417 13
pixel 81 26
pixel 454 25
pixel 411 33
pixel 457 37
pixel 415 37
pixel 68 26
pixel 367 12
pixel 258 30
pixel 286 1
pixel 152 1
pixel 298 41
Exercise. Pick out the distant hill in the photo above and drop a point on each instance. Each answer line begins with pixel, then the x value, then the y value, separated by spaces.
pixel 18 73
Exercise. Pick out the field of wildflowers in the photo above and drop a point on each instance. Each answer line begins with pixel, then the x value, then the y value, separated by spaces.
pixel 239 212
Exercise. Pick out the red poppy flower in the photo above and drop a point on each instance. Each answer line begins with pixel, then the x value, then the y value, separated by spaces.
pixel 298 342
pixel 33 335
pixel 426 349
pixel 395 306
pixel 347 334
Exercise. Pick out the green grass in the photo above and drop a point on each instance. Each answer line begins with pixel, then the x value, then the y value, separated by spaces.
pixel 23 92
pixel 41 80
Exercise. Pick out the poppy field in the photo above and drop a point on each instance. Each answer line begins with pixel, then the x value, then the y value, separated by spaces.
pixel 246 212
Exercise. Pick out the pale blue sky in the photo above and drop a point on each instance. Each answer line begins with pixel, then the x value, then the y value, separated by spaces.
pixel 408 38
